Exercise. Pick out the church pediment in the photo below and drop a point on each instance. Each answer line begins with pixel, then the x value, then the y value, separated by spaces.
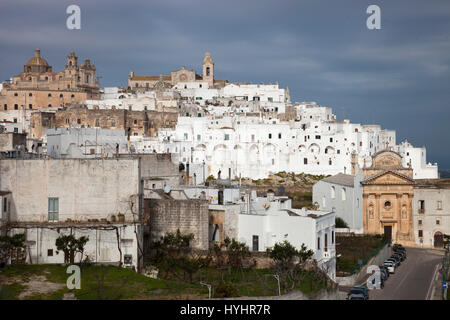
pixel 386 158
pixel 388 177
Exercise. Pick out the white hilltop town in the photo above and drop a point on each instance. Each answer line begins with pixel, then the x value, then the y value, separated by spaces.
pixel 126 165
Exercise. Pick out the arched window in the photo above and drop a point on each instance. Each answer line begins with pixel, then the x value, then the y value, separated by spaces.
pixel 333 192
pixel 343 194
pixel 208 71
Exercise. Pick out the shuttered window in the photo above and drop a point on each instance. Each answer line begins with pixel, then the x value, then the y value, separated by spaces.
pixel 53 209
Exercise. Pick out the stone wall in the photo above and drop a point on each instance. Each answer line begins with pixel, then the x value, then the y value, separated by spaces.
pixel 133 122
pixel 168 215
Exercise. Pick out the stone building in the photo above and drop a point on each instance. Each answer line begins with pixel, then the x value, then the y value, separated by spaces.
pixel 388 191
pixel 168 211
pixel 146 82
pixel 77 116
pixel 431 212
pixel 39 87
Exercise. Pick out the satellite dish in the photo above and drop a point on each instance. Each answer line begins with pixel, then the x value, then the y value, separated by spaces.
pixel 167 189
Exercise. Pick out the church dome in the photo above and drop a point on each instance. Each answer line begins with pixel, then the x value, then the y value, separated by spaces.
pixel 37 60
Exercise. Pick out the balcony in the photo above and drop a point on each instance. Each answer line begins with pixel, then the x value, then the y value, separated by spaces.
pixel 421 211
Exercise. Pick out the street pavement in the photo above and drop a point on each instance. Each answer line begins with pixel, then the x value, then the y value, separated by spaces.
pixel 413 279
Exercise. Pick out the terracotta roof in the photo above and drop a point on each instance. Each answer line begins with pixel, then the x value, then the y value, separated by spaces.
pixel 151 78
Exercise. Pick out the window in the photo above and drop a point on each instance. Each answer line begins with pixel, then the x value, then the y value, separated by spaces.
pixel 227 137
pixel 255 243
pixel 50 252
pixel 439 205
pixel 343 194
pixel 67 121
pixel 113 123
pixel 333 192
pixel 421 206
pixel 387 204
pixel 253 138
pixel 16 107
pixel 305 160
pixel 30 106
pixel 339 151
pixel 317 137
pixel 53 209
pixel 326 242
pixel 49 95
pixel 130 108
pixel 279 136
pixel 199 137
pixel 79 121
pixel 61 95
pixel 5 107
pixel 419 222
pixel 270 136
pixel 438 221
pixel 15 94
pixel 420 233
pixel 332 237
pixel 330 162
pixel 135 121
pixel 270 99
pixel 318 243
pixel 16 130
pixel 15 120
pixel 273 161
pixel 97 123
pixel 185 136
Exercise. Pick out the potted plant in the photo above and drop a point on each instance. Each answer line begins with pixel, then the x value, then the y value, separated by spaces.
pixel 121 217
pixel 113 218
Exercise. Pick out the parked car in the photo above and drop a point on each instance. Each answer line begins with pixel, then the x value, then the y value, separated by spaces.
pixel 357 297
pixel 384 269
pixel 390 266
pixel 381 280
pixel 358 290
pixel 398 247
pixel 399 255
pixel 384 274
pixel 396 261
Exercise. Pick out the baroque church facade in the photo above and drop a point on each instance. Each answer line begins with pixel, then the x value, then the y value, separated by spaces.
pixel 39 87
pixel 387 192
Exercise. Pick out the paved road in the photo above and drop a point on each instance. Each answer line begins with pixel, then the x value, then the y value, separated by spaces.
pixel 412 279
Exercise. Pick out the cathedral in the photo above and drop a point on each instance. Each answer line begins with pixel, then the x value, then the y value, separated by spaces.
pixel 138 83
pixel 38 86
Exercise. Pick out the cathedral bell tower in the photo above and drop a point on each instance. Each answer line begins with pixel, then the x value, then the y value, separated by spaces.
pixel 208 69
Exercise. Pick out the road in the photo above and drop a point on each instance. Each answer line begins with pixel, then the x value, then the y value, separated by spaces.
pixel 412 279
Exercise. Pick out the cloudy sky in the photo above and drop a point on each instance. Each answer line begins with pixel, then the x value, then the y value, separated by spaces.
pixel 398 77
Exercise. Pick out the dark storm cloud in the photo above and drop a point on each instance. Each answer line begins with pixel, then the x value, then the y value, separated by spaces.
pixel 398 76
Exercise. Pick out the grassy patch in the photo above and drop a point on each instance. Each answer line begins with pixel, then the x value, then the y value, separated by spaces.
pixel 97 282
pixel 356 248
pixel 110 282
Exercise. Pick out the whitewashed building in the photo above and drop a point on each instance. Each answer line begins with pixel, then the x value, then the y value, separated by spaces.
pixel 238 145
pixel 261 222
pixel 85 142
pixel 50 197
